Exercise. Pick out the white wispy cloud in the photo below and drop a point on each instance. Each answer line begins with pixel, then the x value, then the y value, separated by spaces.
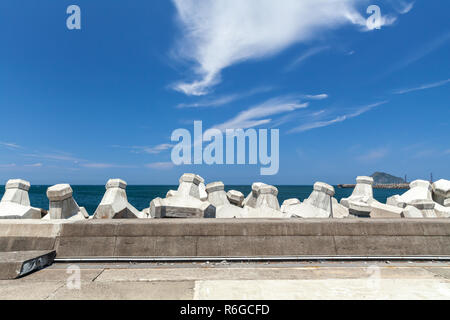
pixel 306 55
pixel 321 96
pixel 218 34
pixel 34 165
pixel 10 145
pixel 160 165
pixel 407 7
pixel 421 52
pixel 8 165
pixel 320 123
pixel 105 165
pixel 217 102
pixel 401 6
pixel 423 87
pixel 56 157
pixel 145 149
pixel 258 115
pixel 223 100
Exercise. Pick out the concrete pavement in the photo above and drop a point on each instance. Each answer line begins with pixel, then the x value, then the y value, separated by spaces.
pixel 328 280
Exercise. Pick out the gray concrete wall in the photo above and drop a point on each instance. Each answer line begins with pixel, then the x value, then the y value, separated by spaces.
pixel 215 237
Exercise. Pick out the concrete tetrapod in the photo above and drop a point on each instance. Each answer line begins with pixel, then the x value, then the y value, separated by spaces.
pixel 339 211
pixel 358 202
pixel 426 207
pixel 419 190
pixel 15 203
pixel 319 203
pixel 63 205
pixel 384 211
pixel 262 195
pixel 236 198
pixel 441 192
pixel 411 213
pixel 114 204
pixel 290 206
pixel 218 197
pixel 187 202
pixel 262 202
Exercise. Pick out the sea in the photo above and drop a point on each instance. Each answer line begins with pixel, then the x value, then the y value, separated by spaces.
pixel 140 196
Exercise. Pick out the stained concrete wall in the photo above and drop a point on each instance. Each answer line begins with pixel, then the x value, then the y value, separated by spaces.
pixel 26 235
pixel 200 237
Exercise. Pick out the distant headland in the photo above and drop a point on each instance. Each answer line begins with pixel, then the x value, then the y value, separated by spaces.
pixel 383 180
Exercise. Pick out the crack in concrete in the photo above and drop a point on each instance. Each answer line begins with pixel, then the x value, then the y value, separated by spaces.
pixel 95 278
pixel 51 295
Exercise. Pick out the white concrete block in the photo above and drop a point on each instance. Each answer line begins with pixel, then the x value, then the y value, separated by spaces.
pixel 171 193
pixel 426 207
pixel 358 202
pixel 228 211
pixel 262 195
pixel 419 190
pixel 216 194
pixel 16 191
pixel 192 185
pixel 235 197
pixel 116 183
pixel 339 211
pixel 396 201
pixel 15 203
pixel 202 192
pixel 114 204
pixel 411 212
pixel 318 204
pixel 263 213
pixel 384 211
pixel 441 211
pixel 181 207
pixel 18 184
pixel 63 205
pixel 11 210
pixel 59 192
pixel 441 192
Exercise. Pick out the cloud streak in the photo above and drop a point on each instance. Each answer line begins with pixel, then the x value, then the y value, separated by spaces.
pixel 10 145
pixel 306 55
pixel 337 119
pixel 8 165
pixel 259 115
pixel 56 157
pixel 223 100
pixel 423 51
pixel 160 165
pixel 218 34
pixel 105 166
pixel 34 165
pixel 423 87
pixel 150 150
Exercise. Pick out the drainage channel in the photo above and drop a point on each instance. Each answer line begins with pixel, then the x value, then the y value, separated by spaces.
pixel 247 259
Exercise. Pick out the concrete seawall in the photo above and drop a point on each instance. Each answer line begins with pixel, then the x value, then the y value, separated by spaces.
pixel 229 238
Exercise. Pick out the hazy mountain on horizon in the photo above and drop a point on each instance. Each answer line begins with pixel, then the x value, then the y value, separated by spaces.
pixel 385 178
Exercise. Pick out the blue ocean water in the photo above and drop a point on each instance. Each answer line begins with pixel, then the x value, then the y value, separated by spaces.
pixel 140 196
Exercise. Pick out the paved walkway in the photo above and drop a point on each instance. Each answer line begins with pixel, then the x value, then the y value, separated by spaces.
pixel 224 281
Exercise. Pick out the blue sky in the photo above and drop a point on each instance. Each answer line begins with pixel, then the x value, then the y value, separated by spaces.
pixel 82 106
